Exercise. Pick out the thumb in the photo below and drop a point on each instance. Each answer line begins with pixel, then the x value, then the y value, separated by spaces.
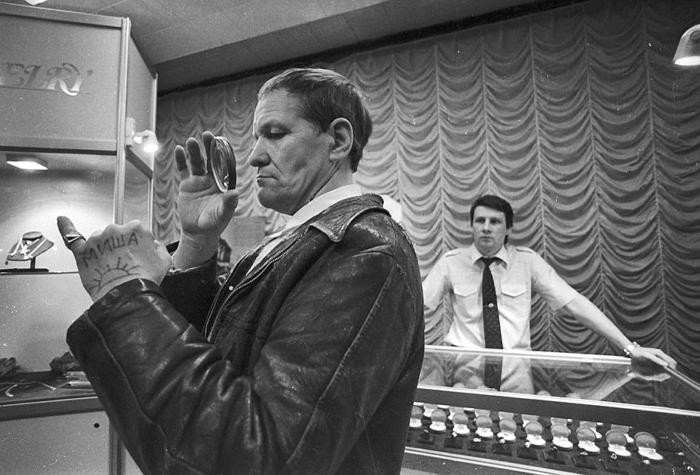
pixel 73 240
pixel 230 200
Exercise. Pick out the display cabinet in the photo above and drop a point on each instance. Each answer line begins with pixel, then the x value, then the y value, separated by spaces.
pixel 78 102
pixel 551 413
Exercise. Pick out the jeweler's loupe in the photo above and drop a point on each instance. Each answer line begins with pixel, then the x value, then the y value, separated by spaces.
pixel 222 160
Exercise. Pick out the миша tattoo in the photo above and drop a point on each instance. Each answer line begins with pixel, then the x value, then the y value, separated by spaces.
pixel 109 272
pixel 109 245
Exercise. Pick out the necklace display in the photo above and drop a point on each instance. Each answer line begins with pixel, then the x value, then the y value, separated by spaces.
pixel 27 248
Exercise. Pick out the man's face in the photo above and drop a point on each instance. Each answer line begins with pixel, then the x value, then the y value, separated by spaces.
pixel 290 153
pixel 489 230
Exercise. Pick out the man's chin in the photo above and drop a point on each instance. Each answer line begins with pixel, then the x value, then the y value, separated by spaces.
pixel 265 199
pixel 487 247
pixel 272 201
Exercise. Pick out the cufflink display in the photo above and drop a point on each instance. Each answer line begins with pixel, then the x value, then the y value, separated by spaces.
pixel 461 424
pixel 507 428
pixel 483 427
pixel 438 419
pixel 534 434
pixel 560 436
pixel 617 443
pixel 646 445
pixel 586 440
pixel 416 418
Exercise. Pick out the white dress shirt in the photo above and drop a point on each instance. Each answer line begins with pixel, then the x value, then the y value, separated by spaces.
pixel 518 274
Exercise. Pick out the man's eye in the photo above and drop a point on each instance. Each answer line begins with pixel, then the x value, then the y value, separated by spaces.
pixel 275 134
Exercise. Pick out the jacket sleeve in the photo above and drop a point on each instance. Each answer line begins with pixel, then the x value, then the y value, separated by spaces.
pixel 335 352
pixel 191 291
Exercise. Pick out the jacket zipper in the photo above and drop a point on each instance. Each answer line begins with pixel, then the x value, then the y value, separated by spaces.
pixel 247 281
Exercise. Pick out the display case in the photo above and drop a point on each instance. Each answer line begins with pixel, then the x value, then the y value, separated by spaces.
pixel 551 413
pixel 79 103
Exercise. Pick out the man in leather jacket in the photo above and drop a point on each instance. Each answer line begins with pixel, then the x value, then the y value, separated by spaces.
pixel 307 358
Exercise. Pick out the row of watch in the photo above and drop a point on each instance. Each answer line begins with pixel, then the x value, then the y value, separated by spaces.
pixel 586 434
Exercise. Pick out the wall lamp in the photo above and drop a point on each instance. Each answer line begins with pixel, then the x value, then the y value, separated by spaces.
pixel 688 51
pixel 145 139
pixel 27 162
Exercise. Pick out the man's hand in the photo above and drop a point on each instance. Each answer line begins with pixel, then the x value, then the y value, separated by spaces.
pixel 642 354
pixel 204 211
pixel 115 255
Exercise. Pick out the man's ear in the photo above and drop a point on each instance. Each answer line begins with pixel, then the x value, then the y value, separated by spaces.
pixel 342 137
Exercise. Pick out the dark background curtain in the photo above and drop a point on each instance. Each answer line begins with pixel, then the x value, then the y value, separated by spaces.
pixel 576 115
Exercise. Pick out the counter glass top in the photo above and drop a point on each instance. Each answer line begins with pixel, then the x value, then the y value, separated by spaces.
pixel 578 376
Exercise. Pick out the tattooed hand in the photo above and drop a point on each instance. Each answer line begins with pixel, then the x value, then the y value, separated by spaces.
pixel 115 255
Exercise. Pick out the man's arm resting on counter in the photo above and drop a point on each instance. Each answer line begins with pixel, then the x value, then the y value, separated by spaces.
pixel 587 313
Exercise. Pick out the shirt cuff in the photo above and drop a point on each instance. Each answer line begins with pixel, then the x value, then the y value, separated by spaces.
pixel 172 247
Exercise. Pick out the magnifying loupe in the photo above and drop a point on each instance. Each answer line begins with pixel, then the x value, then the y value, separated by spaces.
pixel 222 161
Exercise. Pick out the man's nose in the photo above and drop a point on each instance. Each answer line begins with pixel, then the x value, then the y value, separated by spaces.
pixel 258 157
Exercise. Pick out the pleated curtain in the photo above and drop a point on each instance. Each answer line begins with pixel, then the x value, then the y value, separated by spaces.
pixel 576 115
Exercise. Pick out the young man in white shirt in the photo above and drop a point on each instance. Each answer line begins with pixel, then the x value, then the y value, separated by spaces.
pixel 517 273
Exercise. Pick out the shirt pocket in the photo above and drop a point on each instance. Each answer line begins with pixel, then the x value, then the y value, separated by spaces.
pixel 469 299
pixel 515 293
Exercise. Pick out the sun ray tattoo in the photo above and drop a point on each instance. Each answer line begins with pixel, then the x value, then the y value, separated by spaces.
pixel 111 274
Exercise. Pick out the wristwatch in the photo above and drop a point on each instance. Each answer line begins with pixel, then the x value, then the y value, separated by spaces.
pixel 629 349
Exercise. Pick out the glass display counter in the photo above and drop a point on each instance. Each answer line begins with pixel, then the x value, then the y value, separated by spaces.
pixel 551 413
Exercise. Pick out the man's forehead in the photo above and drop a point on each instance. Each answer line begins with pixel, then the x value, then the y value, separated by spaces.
pixel 276 105
pixel 486 212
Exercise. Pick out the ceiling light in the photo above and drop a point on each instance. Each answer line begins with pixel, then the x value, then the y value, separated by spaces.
pixel 688 51
pixel 27 163
pixel 34 2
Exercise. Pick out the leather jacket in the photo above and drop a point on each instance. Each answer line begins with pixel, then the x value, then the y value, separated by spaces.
pixel 306 364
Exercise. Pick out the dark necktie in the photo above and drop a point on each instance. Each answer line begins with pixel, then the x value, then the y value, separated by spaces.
pixel 492 325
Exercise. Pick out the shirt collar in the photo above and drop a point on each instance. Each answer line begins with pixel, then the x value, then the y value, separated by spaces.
pixel 502 254
pixel 321 203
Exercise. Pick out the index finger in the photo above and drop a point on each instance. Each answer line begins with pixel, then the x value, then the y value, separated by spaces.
pixel 181 162
pixel 73 240
pixel 207 138
pixel 194 155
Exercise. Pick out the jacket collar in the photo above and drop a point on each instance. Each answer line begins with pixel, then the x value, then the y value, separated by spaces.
pixel 321 203
pixel 334 221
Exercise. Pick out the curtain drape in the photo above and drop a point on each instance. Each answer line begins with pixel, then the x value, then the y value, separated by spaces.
pixel 575 115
